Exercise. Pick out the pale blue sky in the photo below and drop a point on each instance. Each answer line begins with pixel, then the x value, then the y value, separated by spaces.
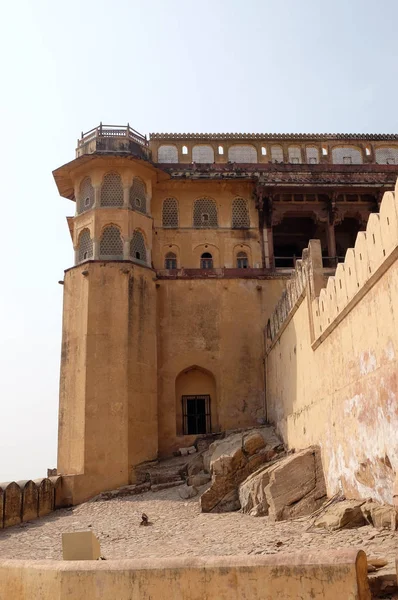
pixel 209 66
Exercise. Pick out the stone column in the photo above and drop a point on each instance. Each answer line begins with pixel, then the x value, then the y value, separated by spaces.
pixel 270 242
pixel 96 249
pixel 126 249
pixel 331 238
pixel 97 195
pixel 126 196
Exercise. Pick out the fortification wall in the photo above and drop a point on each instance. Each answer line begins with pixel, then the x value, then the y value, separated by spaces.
pixel 22 501
pixel 331 360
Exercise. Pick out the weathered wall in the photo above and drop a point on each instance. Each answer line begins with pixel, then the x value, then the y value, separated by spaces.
pixel 331 363
pixel 216 325
pixel 108 402
pixel 287 577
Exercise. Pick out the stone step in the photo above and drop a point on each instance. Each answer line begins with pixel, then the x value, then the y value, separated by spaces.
pixel 165 486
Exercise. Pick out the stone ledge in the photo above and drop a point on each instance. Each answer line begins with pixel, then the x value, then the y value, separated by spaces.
pixel 321 576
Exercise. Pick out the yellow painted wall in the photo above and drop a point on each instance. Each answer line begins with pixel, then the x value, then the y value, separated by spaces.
pixel 108 382
pixel 215 325
pixel 332 364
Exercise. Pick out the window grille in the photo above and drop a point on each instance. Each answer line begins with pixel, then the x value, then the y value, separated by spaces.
pixel 342 155
pixel 294 154
pixel 138 195
pixel 206 261
pixel 112 190
pixel 277 154
pixel 202 154
pixel 240 214
pixel 170 261
pixel 205 213
pixel 242 260
pixel 111 244
pixel 86 195
pixel 170 213
pixel 387 156
pixel 312 155
pixel 167 154
pixel 196 414
pixel 137 247
pixel 242 154
pixel 85 247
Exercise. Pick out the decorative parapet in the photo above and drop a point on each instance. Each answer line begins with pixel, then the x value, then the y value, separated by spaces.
pixel 275 136
pixel 22 501
pixel 333 297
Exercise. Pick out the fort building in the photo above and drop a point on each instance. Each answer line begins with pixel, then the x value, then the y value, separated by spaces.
pixel 183 246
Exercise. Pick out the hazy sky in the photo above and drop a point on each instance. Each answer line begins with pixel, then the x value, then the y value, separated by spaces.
pixel 162 66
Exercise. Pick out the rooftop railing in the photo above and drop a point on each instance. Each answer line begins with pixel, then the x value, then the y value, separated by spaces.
pixel 112 131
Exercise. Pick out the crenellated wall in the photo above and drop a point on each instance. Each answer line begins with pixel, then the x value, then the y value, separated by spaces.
pixel 331 360
pixel 22 501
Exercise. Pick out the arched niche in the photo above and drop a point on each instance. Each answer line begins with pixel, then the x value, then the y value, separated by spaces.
pixel 196 402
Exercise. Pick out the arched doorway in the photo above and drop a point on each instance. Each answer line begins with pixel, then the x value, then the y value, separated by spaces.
pixel 196 402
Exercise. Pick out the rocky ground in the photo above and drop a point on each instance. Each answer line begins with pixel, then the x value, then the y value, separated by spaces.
pixel 179 528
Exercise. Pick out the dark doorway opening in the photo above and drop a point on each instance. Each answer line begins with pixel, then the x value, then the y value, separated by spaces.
pixel 292 235
pixel 196 414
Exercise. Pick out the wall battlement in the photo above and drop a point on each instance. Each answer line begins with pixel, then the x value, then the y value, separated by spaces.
pixel 22 501
pixel 332 297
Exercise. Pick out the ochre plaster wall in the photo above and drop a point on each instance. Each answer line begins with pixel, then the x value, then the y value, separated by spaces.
pixel 216 325
pixel 341 574
pixel 108 375
pixel 332 363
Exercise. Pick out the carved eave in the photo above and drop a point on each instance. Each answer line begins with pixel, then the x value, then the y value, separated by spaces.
pixel 64 175
pixel 282 174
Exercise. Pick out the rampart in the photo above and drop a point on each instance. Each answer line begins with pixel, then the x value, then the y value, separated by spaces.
pixel 341 574
pixel 22 501
pixel 331 360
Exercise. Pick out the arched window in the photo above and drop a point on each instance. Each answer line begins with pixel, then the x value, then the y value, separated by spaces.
pixel 242 261
pixel 138 195
pixel 205 213
pixel 387 156
pixel 277 154
pixel 206 261
pixel 294 154
pixel 111 244
pixel 242 154
pixel 202 154
pixel 86 195
pixel 137 247
pixel 240 214
pixel 170 213
pixel 112 190
pixel 346 156
pixel 167 154
pixel 312 155
pixel 85 246
pixel 170 261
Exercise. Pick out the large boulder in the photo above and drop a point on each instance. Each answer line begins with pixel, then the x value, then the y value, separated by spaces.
pixel 291 487
pixel 231 461
pixel 381 516
pixel 342 515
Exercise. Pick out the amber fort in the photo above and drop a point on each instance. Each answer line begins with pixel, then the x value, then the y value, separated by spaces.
pixel 225 283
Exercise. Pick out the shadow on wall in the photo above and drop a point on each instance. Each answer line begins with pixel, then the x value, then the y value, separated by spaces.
pixel 26 500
